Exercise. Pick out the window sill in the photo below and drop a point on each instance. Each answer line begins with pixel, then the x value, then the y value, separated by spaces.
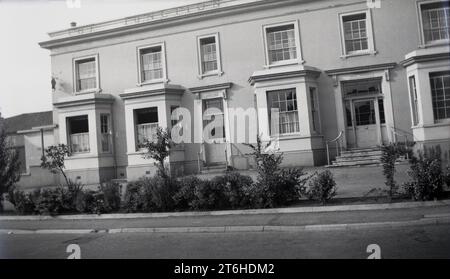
pixel 89 91
pixel 435 44
pixel 442 123
pixel 210 74
pixel 359 53
pixel 285 63
pixel 161 80
pixel 289 136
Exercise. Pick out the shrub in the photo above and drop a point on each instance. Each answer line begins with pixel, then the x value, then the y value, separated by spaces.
pixel 186 192
pixel 390 154
pixel 234 186
pixel 158 193
pixel 23 202
pixel 427 176
pixel 447 176
pixel 133 197
pixel 274 186
pixel 209 195
pixel 111 195
pixel 9 165
pixel 322 187
pixel 52 201
pixel 54 158
pixel 94 202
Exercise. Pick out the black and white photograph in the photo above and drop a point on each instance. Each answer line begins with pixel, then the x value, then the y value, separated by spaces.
pixel 221 135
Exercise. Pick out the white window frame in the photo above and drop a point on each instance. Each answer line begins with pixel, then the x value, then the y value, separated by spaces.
pixel 369 29
pixel 424 44
pixel 269 117
pixel 75 74
pixel 139 65
pixel 298 60
pixel 109 133
pixel 315 102
pixel 217 72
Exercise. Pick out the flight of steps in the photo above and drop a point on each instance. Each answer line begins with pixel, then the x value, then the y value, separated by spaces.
pixel 358 157
pixel 214 168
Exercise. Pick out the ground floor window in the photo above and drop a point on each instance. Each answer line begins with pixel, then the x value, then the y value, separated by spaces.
pixel 414 101
pixel 146 125
pixel 105 132
pixel 440 92
pixel 286 102
pixel 78 134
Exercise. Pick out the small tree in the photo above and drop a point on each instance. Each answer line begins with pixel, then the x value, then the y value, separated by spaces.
pixel 53 160
pixel 9 166
pixel 390 154
pixel 159 150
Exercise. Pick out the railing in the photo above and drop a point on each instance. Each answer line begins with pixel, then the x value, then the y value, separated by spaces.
pixel 79 143
pixel 338 146
pixel 404 134
pixel 146 132
pixel 199 157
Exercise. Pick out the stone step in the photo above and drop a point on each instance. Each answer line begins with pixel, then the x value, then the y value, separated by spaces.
pixel 214 168
pixel 358 158
pixel 356 163
pixel 346 154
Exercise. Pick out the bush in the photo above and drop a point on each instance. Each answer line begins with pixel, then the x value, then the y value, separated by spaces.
pixel 23 202
pixel 322 187
pixel 234 185
pixel 186 192
pixel 111 196
pixel 159 193
pixel 427 176
pixel 133 197
pixel 390 154
pixel 274 186
pixel 94 202
pixel 52 201
pixel 209 195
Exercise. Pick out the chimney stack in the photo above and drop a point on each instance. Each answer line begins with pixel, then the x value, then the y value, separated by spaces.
pixel 73 24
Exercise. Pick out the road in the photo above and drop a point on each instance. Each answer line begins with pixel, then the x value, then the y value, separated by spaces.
pixel 408 242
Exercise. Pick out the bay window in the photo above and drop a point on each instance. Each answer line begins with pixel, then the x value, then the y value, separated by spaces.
pixel 440 93
pixel 146 125
pixel 286 103
pixel 78 136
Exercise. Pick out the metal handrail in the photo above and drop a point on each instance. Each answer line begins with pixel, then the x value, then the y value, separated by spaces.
pixel 199 153
pixel 338 147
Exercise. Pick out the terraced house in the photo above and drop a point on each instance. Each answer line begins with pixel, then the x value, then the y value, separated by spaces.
pixel 345 75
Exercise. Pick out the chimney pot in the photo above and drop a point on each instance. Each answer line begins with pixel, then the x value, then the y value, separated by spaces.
pixel 73 24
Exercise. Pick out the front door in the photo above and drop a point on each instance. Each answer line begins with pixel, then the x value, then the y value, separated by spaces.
pixel 366 129
pixel 215 151
pixel 362 127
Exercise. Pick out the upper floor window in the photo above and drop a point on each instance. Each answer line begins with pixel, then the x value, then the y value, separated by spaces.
pixel 209 55
pixel 86 74
pixel 286 103
pixel 151 63
pixel 356 33
pixel 435 21
pixel 282 43
pixel 440 94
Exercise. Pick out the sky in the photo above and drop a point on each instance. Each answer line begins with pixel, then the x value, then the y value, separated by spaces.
pixel 25 73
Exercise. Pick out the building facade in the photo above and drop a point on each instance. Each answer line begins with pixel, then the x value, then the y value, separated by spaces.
pixel 372 72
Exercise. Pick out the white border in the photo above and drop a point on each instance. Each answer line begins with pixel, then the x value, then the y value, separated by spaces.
pixel 369 27
pixel 422 43
pixel 217 72
pixel 298 60
pixel 163 57
pixel 75 74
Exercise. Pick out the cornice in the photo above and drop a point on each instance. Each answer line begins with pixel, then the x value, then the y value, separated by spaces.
pixel 361 69
pixel 268 75
pixel 152 90
pixel 208 88
pixel 425 58
pixel 148 21
pixel 85 99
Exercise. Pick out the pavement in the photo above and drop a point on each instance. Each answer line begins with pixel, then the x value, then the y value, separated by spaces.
pixel 400 230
